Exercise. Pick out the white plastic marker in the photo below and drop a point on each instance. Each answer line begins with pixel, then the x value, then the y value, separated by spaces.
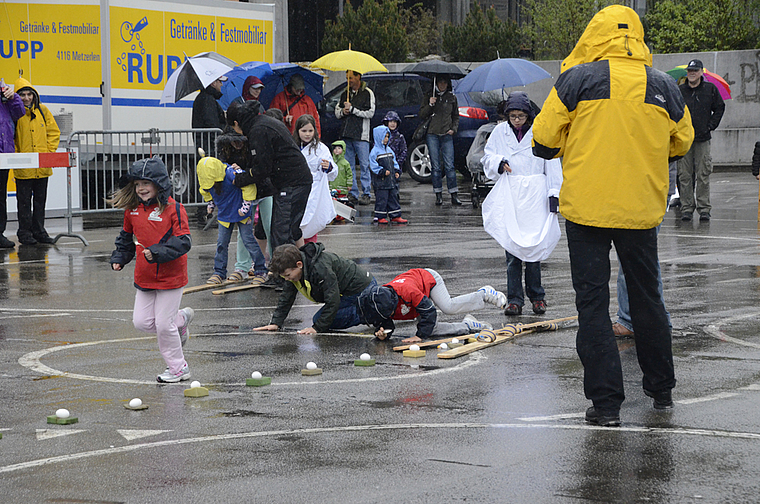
pixel 414 348
pixel 135 403
pixel 365 356
pixel 256 375
pixel 62 413
pixel 311 365
pixel 444 346
pixel 195 384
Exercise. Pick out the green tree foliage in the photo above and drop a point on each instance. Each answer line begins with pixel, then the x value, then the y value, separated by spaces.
pixel 376 27
pixel 422 31
pixel 702 25
pixel 554 26
pixel 481 37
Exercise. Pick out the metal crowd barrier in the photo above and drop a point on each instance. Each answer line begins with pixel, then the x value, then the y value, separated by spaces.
pixel 105 156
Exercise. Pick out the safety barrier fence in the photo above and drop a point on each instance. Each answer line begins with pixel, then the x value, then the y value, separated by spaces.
pixel 104 157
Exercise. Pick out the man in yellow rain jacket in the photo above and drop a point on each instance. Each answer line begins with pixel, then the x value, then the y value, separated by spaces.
pixel 36 131
pixel 617 123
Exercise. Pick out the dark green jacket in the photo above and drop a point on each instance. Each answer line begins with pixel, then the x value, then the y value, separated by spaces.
pixel 330 277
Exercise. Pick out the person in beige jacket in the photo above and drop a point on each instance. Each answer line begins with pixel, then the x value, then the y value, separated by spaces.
pixel 36 131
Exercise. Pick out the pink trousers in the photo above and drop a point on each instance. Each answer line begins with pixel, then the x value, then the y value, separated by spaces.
pixel 157 311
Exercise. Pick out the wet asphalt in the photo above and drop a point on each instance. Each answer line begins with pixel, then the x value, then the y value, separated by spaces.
pixel 504 424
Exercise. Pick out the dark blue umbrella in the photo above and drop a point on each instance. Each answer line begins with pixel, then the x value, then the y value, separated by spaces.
pixel 274 77
pixel 501 73
pixel 233 88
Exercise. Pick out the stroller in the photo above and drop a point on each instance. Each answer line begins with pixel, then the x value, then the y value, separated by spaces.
pixel 481 185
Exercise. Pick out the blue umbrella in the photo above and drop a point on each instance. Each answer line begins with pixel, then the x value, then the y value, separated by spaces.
pixel 233 88
pixel 274 77
pixel 501 73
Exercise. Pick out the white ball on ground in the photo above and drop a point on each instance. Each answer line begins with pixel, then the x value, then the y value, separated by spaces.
pixel 256 375
pixel 135 403
pixel 443 346
pixel 62 413
pixel 311 365
pixel 455 340
pixel 414 348
pixel 365 356
pixel 195 384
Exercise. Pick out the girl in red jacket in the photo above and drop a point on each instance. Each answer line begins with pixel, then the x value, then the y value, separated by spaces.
pixel 156 230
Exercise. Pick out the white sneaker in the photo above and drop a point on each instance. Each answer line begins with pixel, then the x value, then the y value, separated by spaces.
pixel 491 295
pixel 169 377
pixel 474 326
pixel 184 332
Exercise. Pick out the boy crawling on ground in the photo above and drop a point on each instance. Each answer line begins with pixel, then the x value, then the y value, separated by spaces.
pixel 322 277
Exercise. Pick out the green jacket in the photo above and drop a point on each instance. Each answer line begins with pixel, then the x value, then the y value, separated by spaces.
pixel 329 277
pixel 344 180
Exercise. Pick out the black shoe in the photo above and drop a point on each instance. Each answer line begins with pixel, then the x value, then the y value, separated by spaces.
pixel 602 419
pixel 27 240
pixel 353 199
pixel 455 200
pixel 704 217
pixel 662 400
pixel 364 199
pixel 6 243
pixel 686 217
pixel 47 239
pixel 539 307
pixel 270 282
pixel 438 199
pixel 513 309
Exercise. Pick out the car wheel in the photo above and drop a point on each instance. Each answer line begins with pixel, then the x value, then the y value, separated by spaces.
pixel 418 163
pixel 180 180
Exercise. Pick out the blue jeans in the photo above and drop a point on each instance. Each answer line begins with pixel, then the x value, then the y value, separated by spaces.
pixel 223 243
pixel 358 148
pixel 348 311
pixel 442 145
pixel 624 308
pixel 514 281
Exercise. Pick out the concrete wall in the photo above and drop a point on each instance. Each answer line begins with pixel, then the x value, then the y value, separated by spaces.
pixel 733 141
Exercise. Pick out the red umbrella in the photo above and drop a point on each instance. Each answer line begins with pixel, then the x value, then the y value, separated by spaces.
pixel 679 73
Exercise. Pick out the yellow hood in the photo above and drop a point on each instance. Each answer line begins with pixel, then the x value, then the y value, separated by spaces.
pixel 210 171
pixel 614 32
pixel 23 83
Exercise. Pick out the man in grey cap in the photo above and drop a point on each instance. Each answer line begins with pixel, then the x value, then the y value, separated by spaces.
pixel 706 107
pixel 294 102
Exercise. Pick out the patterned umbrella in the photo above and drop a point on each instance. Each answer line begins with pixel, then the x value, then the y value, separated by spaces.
pixel 679 73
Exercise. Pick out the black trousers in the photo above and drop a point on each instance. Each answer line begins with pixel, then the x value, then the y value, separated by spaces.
pixel 595 342
pixel 3 200
pixel 288 207
pixel 31 195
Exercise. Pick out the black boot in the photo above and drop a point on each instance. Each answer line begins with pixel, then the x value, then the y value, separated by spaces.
pixel 455 200
pixel 438 199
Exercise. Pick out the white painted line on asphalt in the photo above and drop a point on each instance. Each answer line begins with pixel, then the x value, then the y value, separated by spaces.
pixel 715 332
pixel 754 386
pixel 131 434
pixel 714 397
pixel 364 428
pixel 43 434
pixel 549 418
pixel 32 361
pixel 37 315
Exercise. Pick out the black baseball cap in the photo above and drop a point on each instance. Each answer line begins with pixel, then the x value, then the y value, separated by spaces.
pixel 695 64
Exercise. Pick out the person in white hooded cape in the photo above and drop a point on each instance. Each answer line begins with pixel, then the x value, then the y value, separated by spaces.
pixel 517 211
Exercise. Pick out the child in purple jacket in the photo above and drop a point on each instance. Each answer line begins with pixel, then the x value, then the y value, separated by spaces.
pixel 11 109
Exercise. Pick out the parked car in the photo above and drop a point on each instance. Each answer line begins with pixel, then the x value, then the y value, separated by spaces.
pixel 404 93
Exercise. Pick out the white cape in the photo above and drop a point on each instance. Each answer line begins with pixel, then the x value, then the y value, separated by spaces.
pixel 516 212
pixel 320 210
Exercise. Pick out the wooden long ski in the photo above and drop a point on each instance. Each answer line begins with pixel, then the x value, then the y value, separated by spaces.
pixel 474 347
pixel 432 343
pixel 203 287
pixel 236 288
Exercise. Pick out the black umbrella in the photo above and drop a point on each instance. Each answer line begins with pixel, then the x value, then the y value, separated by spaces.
pixel 436 68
